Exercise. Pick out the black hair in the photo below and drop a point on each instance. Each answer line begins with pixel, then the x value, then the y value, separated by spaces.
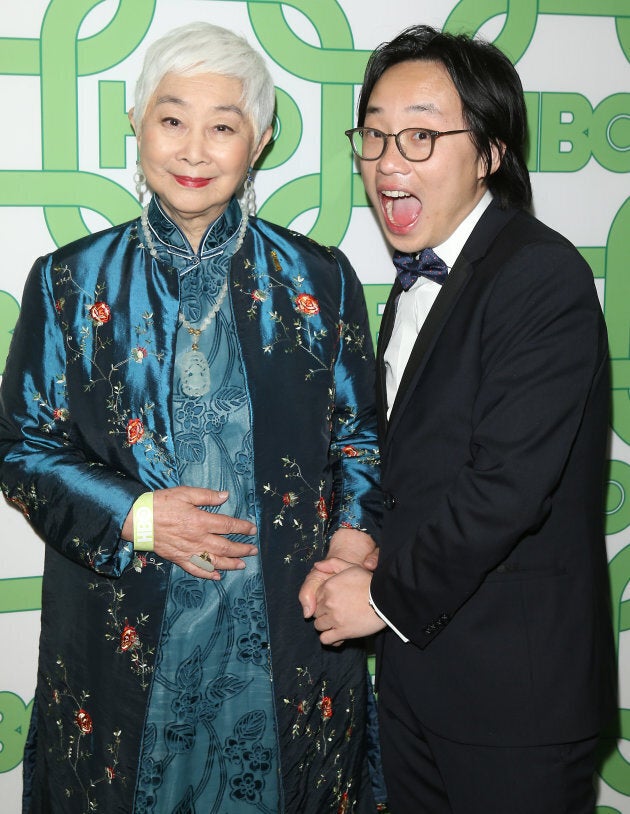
pixel 491 93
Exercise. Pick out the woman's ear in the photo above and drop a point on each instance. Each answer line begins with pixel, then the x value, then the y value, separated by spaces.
pixel 132 121
pixel 263 142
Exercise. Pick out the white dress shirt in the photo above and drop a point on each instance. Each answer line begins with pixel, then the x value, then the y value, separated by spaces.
pixel 412 308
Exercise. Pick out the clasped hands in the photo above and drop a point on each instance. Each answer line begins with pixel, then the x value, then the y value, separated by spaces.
pixel 336 592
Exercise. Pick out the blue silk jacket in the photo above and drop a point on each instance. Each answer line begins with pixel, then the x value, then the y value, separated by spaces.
pixel 86 427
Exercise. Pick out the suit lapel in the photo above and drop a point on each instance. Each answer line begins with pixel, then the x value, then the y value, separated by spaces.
pixel 455 282
pixel 384 335
pixel 490 224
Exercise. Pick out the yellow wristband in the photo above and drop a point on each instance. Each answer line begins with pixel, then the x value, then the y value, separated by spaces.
pixel 143 522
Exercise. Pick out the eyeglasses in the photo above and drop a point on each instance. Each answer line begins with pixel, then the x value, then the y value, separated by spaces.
pixel 414 143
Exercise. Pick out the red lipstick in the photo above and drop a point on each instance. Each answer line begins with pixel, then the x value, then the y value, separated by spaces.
pixel 192 183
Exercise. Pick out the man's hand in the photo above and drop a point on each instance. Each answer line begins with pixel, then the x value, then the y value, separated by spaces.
pixel 371 561
pixel 181 529
pixel 343 603
pixel 351 545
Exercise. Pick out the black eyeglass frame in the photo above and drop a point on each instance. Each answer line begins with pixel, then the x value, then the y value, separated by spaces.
pixel 433 135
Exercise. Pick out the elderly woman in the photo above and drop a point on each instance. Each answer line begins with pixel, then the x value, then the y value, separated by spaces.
pixel 186 419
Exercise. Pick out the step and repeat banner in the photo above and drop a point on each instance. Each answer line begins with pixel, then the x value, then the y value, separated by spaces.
pixel 67 159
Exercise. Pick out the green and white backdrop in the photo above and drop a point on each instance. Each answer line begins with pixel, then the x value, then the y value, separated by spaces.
pixel 67 157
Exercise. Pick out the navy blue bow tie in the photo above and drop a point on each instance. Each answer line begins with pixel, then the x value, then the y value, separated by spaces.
pixel 425 263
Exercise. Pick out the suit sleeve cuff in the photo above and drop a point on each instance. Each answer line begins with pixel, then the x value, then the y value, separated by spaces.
pixel 386 620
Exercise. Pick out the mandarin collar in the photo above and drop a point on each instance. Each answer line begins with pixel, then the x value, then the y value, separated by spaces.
pixel 173 246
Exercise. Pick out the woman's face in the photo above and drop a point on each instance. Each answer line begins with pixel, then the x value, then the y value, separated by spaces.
pixel 195 146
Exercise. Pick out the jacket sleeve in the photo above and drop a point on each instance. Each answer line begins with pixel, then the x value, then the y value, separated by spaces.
pixel 357 500
pixel 542 355
pixel 75 504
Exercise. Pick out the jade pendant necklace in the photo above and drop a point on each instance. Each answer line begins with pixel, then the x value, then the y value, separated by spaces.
pixel 193 366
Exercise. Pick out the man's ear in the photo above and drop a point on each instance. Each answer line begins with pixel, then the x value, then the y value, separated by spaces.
pixel 497 151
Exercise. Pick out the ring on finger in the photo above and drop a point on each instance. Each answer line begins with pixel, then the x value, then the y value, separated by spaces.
pixel 203 560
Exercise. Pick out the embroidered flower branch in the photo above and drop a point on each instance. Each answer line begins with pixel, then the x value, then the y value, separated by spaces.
pixel 309 543
pixel 93 338
pixel 315 709
pixel 124 635
pixel 353 338
pixel 75 728
pixel 24 498
pixel 298 334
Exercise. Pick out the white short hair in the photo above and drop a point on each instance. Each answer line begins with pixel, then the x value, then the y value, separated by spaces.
pixel 205 48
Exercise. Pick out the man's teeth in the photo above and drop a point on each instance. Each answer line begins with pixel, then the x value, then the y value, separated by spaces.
pixel 390 194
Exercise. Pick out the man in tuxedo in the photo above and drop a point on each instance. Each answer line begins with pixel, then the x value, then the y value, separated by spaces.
pixel 495 666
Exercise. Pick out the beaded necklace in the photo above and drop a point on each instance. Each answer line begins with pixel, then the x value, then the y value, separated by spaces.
pixel 193 365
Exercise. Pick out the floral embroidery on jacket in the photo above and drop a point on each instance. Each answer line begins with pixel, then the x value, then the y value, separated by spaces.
pixel 298 334
pixel 56 415
pixel 75 726
pixel 314 713
pixel 126 635
pixel 24 498
pixel 94 337
pixel 310 541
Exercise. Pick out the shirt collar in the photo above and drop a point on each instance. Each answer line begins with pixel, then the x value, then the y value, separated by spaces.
pixel 450 249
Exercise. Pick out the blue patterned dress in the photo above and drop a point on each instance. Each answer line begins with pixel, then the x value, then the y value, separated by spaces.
pixel 157 692
pixel 211 719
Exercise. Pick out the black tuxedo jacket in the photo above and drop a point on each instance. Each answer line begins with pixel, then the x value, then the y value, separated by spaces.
pixel 493 559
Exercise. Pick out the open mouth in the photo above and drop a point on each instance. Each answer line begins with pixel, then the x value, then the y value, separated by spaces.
pixel 192 183
pixel 400 209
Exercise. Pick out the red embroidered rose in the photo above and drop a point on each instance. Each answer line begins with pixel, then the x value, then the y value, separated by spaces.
pixel 322 511
pixel 59 304
pixel 326 706
pixel 350 452
pixel 289 498
pixel 110 773
pixel 83 721
pixel 343 803
pixel 128 637
pixel 306 304
pixel 135 430
pixel 19 504
pixel 100 313
pixel 139 354
pixel 60 414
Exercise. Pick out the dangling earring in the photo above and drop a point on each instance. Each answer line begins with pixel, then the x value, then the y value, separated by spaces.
pixel 248 207
pixel 140 180
pixel 249 193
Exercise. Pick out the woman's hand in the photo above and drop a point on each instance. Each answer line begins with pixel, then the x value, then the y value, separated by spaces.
pixel 182 530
